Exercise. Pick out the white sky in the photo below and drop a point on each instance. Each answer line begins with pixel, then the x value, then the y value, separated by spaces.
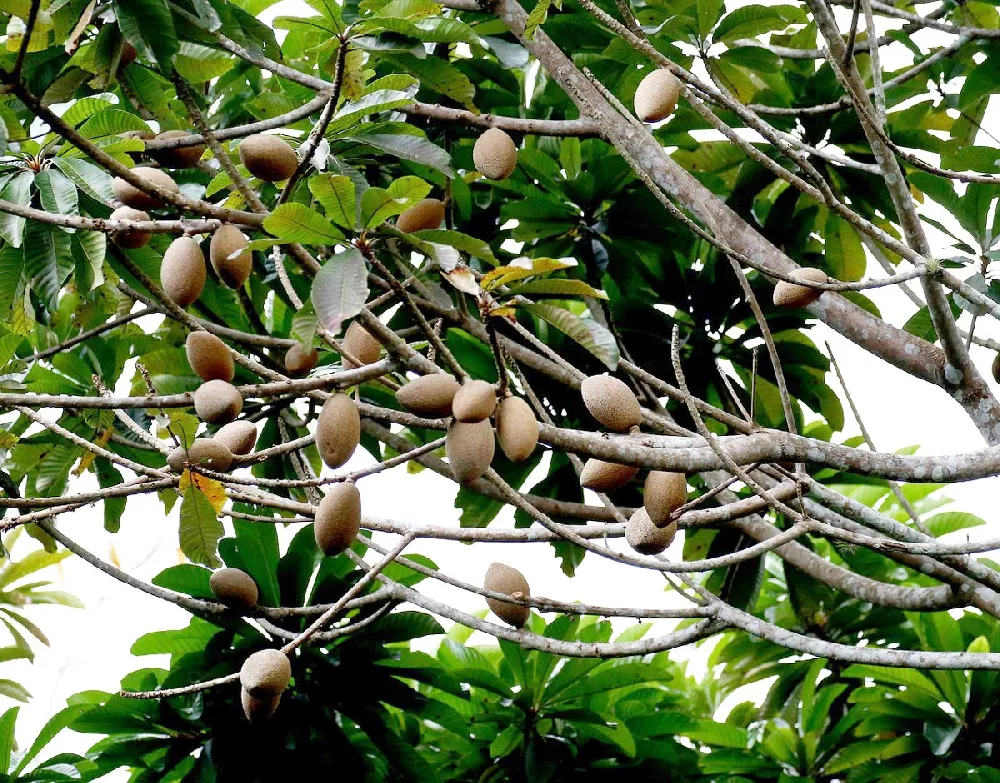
pixel 90 649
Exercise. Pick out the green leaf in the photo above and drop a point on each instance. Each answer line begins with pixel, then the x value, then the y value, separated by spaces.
pixel 93 181
pixel 536 18
pixel 17 191
pixel 53 726
pixel 950 521
pixel 111 122
pixel 340 289
pixel 336 194
pixel 407 147
pixel 750 20
pixel 200 528
pixel 48 261
pixel 588 333
pixel 149 26
pixel 845 255
pixel 56 192
pixel 200 64
pixel 461 242
pixel 7 721
pixel 557 287
pixel 297 223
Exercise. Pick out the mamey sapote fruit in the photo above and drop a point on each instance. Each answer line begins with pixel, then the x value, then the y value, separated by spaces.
pixel 517 428
pixel 178 157
pixel 495 154
pixel 217 402
pixel 234 588
pixel 338 430
pixel 429 395
pixel 130 239
pixel 601 476
pixel 266 673
pixel 790 295
pixel 501 578
pixel 470 449
pixel 258 709
pixel 663 493
pixel 131 196
pixel 611 402
pixel 182 272
pixel 205 453
pixel 645 537
pixel 656 96
pixel 128 55
pixel 209 357
pixel 268 157
pixel 299 360
pixel 475 401
pixel 238 436
pixel 996 368
pixel 338 518
pixel 230 255
pixel 359 343
pixel 422 216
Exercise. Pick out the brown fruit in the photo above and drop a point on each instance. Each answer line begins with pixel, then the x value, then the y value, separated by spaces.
pixel 338 518
pixel 495 154
pixel 996 369
pixel 128 55
pixel 266 673
pixel 422 216
pixel 359 343
pixel 233 270
pixel 178 157
pixel 205 453
pixel 517 428
pixel 502 578
pixel 299 361
pixel 131 196
pixel 611 402
pixel 258 709
pixel 470 449
pixel 338 430
pixel 217 402
pixel 268 157
pixel 429 395
pixel 182 272
pixel 602 476
pixel 791 295
pixel 656 96
pixel 645 537
pixel 663 494
pixel 238 436
pixel 209 357
pixel 475 401
pixel 234 588
pixel 130 239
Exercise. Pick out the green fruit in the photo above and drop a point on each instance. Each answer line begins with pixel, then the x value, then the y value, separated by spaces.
pixel 517 428
pixel 238 436
pixel 130 239
pixel 502 578
pixel 234 588
pixel 299 361
pixel 663 494
pixel 266 673
pixel 209 357
pixel 475 401
pixel 791 295
pixel 429 395
pixel 182 273
pixel 338 518
pixel 178 157
pixel 495 154
pixel 131 196
pixel 268 157
pixel 217 402
pixel 230 256
pixel 656 96
pixel 422 216
pixel 470 449
pixel 338 430
pixel 645 537
pixel 601 476
pixel 611 402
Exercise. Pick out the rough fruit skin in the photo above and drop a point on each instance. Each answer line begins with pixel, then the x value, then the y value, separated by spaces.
pixel 300 361
pixel 429 395
pixel 359 343
pixel 338 430
pixel 209 357
pixel 128 55
pixel 470 449
pixel 258 709
pixel 133 197
pixel 611 402
pixel 475 401
pixel 130 240
pixel 232 271
pixel 996 369
pixel 656 96
pixel 234 588
pixel 501 578
pixel 268 157
pixel 517 428
pixel 204 452
pixel 238 436
pixel 178 157
pixel 338 518
pixel 182 273
pixel 791 295
pixel 663 493
pixel 645 537
pixel 266 673
pixel 602 476
pixel 217 402
pixel 422 216
pixel 495 154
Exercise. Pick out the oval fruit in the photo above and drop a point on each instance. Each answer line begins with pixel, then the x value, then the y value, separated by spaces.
pixel 234 588
pixel 645 537
pixel 299 361
pixel 495 154
pixel 217 402
pixel 238 436
pixel 209 357
pixel 258 709
pixel 131 196
pixel 517 428
pixel 128 55
pixel 429 395
pixel 338 430
pixel 130 239
pixel 266 673
pixel 338 518
pixel 611 402
pixel 232 269
pixel 178 157
pixel 182 273
pixel 475 401
pixel 995 368
pixel 601 476
pixel 422 216
pixel 359 343
pixel 656 96
pixel 204 453
pixel 663 494
pixel 268 157
pixel 501 578
pixel 470 449
pixel 791 295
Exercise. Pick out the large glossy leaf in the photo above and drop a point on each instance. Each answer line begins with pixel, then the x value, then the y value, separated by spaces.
pixel 200 528
pixel 588 333
pixel 340 289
